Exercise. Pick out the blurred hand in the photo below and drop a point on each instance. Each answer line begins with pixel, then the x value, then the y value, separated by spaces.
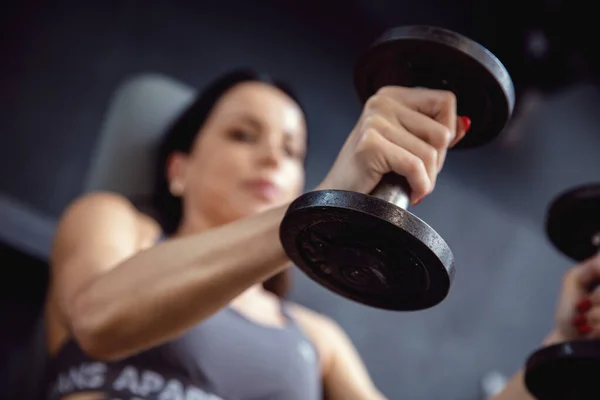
pixel 578 311
pixel 401 130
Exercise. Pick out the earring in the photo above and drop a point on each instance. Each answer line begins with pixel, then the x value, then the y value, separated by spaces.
pixel 176 188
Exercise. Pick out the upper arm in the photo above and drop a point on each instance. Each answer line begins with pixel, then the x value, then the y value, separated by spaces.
pixel 345 376
pixel 94 234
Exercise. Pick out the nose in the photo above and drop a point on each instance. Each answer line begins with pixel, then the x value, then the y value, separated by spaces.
pixel 271 153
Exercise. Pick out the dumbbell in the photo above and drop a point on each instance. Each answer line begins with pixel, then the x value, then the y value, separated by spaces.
pixel 570 370
pixel 370 248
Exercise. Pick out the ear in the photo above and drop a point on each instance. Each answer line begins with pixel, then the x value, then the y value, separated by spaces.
pixel 176 172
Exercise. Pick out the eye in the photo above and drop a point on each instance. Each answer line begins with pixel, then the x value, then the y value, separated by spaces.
pixel 243 135
pixel 294 152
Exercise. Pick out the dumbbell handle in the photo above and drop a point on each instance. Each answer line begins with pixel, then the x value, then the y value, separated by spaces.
pixel 395 189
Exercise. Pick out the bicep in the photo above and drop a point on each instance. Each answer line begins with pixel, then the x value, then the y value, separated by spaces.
pixel 347 377
pixel 94 235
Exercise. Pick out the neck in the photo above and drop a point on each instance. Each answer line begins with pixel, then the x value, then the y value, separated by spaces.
pixel 194 226
pixel 194 222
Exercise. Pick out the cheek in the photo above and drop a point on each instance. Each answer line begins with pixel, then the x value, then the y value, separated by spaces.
pixel 294 177
pixel 217 171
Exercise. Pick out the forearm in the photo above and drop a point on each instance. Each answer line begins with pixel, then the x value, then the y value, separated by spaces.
pixel 515 389
pixel 161 292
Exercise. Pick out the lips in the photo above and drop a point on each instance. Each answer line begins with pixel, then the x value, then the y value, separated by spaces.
pixel 264 189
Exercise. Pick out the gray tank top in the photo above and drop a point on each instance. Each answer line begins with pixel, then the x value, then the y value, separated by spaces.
pixel 226 357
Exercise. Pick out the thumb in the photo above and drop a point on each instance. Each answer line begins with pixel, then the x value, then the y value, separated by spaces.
pixel 588 273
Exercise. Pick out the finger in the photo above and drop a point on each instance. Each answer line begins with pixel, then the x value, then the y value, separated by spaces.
pixel 421 122
pixel 588 273
pixel 423 126
pixel 592 316
pixel 591 329
pixel 579 320
pixel 594 296
pixel 572 293
pixel 432 132
pixel 399 136
pixel 462 127
pixel 437 104
pixel 594 333
pixel 583 305
pixel 463 124
pixel 406 164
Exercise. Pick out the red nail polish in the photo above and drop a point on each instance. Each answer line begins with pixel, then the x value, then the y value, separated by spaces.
pixel 466 123
pixel 418 201
pixel 579 320
pixel 584 329
pixel 584 305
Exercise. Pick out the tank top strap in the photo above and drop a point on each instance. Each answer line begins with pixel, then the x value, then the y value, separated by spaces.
pixel 287 313
pixel 306 345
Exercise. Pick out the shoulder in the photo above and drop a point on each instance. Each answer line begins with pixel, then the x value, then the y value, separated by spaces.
pixel 100 200
pixel 313 320
pixel 102 213
pixel 90 204
pixel 104 204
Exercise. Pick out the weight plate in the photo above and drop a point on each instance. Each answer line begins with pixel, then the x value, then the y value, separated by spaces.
pixel 367 250
pixel 573 219
pixel 564 371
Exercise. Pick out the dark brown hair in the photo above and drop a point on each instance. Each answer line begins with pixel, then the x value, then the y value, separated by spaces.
pixel 180 137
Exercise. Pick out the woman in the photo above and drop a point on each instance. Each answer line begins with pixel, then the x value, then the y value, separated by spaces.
pixel 132 315
pixel 577 317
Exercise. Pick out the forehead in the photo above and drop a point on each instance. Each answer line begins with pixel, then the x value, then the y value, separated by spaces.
pixel 263 102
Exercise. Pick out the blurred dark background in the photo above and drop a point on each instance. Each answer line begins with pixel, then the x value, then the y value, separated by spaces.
pixel 61 61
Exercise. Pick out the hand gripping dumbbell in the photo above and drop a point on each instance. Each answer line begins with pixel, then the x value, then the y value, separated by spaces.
pixel 370 248
pixel 569 371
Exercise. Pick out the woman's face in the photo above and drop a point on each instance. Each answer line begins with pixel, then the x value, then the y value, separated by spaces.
pixel 249 157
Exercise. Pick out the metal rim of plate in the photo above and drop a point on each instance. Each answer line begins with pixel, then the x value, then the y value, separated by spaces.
pixel 368 250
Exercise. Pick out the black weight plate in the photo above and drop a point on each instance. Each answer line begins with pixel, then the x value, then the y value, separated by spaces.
pixel 565 371
pixel 573 218
pixel 435 58
pixel 367 250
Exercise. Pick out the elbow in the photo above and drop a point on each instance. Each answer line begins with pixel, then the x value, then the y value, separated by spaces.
pixel 93 345
pixel 93 331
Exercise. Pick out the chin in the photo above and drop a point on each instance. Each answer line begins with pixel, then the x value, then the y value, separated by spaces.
pixel 258 208
pixel 246 206
pixel 251 208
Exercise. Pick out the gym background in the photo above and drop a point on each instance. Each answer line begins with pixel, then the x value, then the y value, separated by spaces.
pixel 61 61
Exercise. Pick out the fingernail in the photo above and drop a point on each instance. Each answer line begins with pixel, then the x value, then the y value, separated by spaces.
pixel 579 320
pixel 418 201
pixel 584 305
pixel 466 123
pixel 584 329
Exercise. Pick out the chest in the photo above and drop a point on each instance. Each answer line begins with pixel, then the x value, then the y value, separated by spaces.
pixel 240 360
